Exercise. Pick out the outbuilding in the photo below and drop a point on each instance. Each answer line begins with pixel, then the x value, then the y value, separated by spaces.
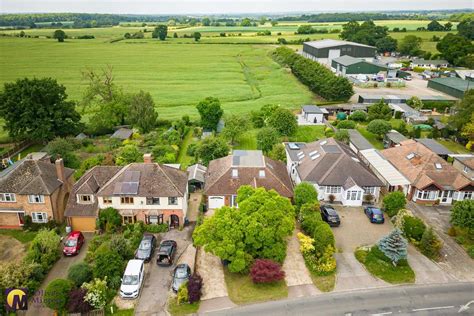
pixel 348 65
pixel 324 51
pixel 455 87
pixel 313 114
pixel 392 139
pixel 358 142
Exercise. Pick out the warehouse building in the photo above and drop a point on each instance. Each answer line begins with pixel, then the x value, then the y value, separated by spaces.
pixel 324 51
pixel 397 99
pixel 348 65
pixel 455 87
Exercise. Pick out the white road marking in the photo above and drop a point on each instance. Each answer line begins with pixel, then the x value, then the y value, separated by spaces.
pixel 380 314
pixel 431 308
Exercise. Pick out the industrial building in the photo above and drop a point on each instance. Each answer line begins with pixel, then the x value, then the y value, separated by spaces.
pixel 324 51
pixel 455 87
pixel 347 65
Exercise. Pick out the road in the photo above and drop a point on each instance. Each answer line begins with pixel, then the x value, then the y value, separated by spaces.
pixel 439 299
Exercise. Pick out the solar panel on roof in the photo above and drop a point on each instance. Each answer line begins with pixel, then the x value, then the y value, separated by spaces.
pixel 324 142
pixel 293 146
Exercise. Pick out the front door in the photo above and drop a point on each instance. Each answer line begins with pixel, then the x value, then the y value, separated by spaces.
pixel 174 221
pixel 446 197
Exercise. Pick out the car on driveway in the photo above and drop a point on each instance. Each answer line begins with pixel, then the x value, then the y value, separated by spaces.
pixel 166 253
pixel 329 215
pixel 181 274
pixel 146 248
pixel 374 214
pixel 132 279
pixel 73 243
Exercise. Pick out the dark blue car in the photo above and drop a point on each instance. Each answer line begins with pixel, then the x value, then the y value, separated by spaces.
pixel 374 214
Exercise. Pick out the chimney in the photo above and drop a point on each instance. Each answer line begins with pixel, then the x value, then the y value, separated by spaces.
pixel 147 158
pixel 60 170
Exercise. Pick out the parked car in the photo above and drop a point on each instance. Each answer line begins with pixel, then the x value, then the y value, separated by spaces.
pixel 407 78
pixel 181 274
pixel 329 215
pixel 166 252
pixel 374 214
pixel 146 248
pixel 73 243
pixel 132 279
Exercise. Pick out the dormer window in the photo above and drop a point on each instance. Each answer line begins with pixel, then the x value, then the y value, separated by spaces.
pixel 438 166
pixel 261 173
pixel 84 198
pixel 35 198
pixel 235 173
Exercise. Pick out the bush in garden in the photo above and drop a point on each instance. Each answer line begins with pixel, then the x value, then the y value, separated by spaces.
pixel 393 202
pixel 182 296
pixel 96 293
pixel 76 302
pixel 358 116
pixel 120 245
pixel 305 193
pixel 310 210
pixel 306 243
pixel 80 273
pixel 284 121
pixel 44 248
pixel 24 275
pixel 413 228
pixel 470 251
pixel 310 221
pixel 110 265
pixel 109 219
pixel 266 271
pixel 462 214
pixel 134 234
pixel 323 237
pixel 327 262
pixel 194 288
pixel 346 124
pixel 394 246
pixel 430 244
pixel 399 219
pixel 56 294
pixel 156 228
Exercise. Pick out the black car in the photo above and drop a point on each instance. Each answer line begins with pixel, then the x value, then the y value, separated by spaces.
pixel 181 274
pixel 166 252
pixel 146 248
pixel 329 215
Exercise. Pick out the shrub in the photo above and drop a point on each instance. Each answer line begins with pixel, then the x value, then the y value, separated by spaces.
pixel 331 198
pixel 399 219
pixel 96 293
pixel 323 237
pixel 306 243
pixel 194 288
pixel 413 228
pixel 346 124
pixel 182 296
pixel 462 214
pixel 393 202
pixel 76 302
pixel 394 246
pixel 109 219
pixel 379 127
pixel 342 135
pixel 80 273
pixel 56 294
pixel 120 245
pixel 284 121
pixel 470 251
pixel 44 249
pixel 156 228
pixel 108 264
pixel 25 275
pixel 266 271
pixel 430 244
pixel 358 116
pixel 305 193
pixel 452 231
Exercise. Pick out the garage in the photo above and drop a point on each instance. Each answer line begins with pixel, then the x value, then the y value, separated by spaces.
pixel 83 224
pixel 216 202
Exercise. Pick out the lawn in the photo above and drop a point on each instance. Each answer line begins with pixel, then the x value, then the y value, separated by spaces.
pixel 453 146
pixel 324 283
pixel 20 235
pixel 180 310
pixel 308 133
pixel 247 141
pixel 183 157
pixel 380 266
pixel 243 291
pixel 372 138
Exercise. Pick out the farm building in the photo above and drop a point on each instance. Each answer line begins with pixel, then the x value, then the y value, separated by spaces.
pixel 431 64
pixel 324 51
pixel 455 87
pixel 348 65
pixel 312 114
pixel 399 98
pixel 348 108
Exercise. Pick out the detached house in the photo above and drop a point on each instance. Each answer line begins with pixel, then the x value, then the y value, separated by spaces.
pixel 148 192
pixel 36 187
pixel 432 179
pixel 226 175
pixel 334 170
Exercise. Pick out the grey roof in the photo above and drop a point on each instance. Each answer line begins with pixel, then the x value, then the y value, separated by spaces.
pixel 463 73
pixel 402 107
pixel 434 146
pixel 347 60
pixel 329 162
pixel 81 136
pixel 29 176
pixel 346 107
pixel 395 136
pixel 358 140
pixel 422 61
pixel 326 43
pixel 220 126
pixel 314 109
pixel 247 158
pixel 197 172
pixel 122 133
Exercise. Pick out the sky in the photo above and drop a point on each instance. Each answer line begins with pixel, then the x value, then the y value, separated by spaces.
pixel 223 6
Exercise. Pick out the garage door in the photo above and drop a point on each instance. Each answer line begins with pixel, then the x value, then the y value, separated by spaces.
pixel 83 224
pixel 216 202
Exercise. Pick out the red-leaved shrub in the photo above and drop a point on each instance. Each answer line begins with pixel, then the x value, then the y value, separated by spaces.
pixel 194 288
pixel 266 271
pixel 76 303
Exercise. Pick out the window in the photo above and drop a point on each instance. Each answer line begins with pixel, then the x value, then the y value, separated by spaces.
pixel 261 173
pixel 36 198
pixel 85 198
pixel 467 195
pixel 107 199
pixel 235 173
pixel 466 169
pixel 233 201
pixel 353 195
pixel 126 200
pixel 410 156
pixel 153 201
pixel 39 217
pixel 333 189
pixel 172 200
pixel 426 195
pixel 128 219
pixel 369 190
pixel 7 197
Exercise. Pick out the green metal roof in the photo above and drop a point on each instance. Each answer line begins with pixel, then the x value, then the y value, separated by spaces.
pixel 347 60
pixel 453 82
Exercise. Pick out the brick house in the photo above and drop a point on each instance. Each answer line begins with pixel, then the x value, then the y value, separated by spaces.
pixel 36 187
pixel 147 192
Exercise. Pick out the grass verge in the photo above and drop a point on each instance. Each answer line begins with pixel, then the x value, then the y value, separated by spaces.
pixel 243 291
pixel 380 266
pixel 20 235
pixel 324 283
pixel 183 309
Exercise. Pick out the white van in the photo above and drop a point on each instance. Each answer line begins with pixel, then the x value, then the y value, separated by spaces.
pixel 132 279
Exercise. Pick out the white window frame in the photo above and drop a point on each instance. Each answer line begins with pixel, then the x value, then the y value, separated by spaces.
pixel 233 201
pixel 333 189
pixel 426 195
pixel 369 190
pixel 467 195
pixel 35 218
pixel 7 197
pixel 81 196
pixel 353 195
pixel 151 200
pixel 170 201
pixel 36 199
pixel 235 173
pixel 261 173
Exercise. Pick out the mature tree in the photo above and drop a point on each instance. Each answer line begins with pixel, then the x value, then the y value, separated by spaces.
pixel 366 33
pixel 435 26
pixel 37 109
pixel 63 148
pixel 197 36
pixel 108 264
pixel 278 152
pixel 342 135
pixel 455 48
pixel 260 118
pixel 466 29
pixel 212 148
pixel 379 110
pixel 305 193
pixel 284 121
pixel 142 112
pixel 415 103
pixel 161 31
pixel 206 22
pixel 393 202
pixel 258 229
pixel 394 246
pixel 358 116
pixel 60 35
pixel 410 45
pixel 462 215
pixel 79 273
pixel 463 110
pixel 379 127
pixel 128 154
pixel 448 26
pixel 267 137
pixel 235 125
pixel 246 22
pixel 386 44
pixel 43 249
pixel 211 112
pixel 468 131
pixel 56 294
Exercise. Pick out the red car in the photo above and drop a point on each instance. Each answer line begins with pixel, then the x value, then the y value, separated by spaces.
pixel 73 243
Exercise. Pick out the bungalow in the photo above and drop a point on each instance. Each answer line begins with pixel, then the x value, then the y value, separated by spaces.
pixel 226 175
pixel 429 63
pixel 334 170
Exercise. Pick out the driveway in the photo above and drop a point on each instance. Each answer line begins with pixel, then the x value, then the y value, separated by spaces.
pixel 59 271
pixel 157 286
pixel 193 207
pixel 455 260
